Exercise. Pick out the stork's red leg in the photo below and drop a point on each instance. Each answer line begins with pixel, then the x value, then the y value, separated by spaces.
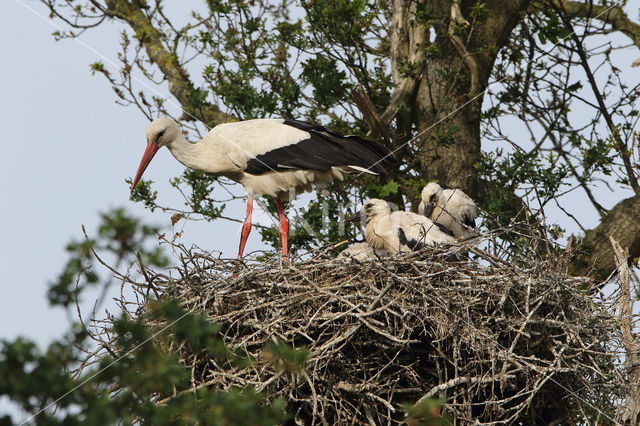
pixel 246 228
pixel 284 228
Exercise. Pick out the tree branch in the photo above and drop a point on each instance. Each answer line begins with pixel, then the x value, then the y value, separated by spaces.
pixel 180 84
pixel 377 127
pixel 616 17
pixel 595 255
pixel 631 413
pixel 620 145
pixel 458 21
pixel 407 47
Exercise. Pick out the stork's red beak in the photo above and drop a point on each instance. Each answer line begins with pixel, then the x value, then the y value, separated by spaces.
pixel 151 150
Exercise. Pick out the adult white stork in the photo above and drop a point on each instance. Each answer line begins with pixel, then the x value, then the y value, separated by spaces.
pixel 450 207
pixel 399 231
pixel 269 156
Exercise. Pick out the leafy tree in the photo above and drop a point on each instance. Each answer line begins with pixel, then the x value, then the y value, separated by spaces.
pixel 125 386
pixel 518 103
pixel 125 372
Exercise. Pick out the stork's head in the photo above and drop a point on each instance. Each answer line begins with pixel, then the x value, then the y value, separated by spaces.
pixel 371 209
pixel 375 207
pixel 161 132
pixel 430 194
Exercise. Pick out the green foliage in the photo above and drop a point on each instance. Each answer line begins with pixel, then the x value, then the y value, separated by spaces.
pixel 518 169
pixel 202 185
pixel 341 22
pixel 284 357
pixel 382 191
pixel 63 291
pixel 143 193
pixel 540 177
pixel 235 89
pixel 96 67
pixel 445 136
pixel 597 156
pixel 552 29
pixel 126 388
pixel 328 82
pixel 479 11
pixel 196 96
pixel 250 69
pixel 426 413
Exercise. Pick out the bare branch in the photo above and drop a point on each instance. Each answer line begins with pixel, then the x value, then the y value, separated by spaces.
pixel 631 413
pixel 376 126
pixel 595 256
pixel 458 21
pixel 620 145
pixel 180 84
pixel 407 48
pixel 614 16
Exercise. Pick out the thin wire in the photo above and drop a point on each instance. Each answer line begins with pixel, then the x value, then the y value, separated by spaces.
pixel 104 368
pixel 141 82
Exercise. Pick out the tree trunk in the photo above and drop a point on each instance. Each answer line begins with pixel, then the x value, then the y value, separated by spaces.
pixel 594 255
pixel 449 95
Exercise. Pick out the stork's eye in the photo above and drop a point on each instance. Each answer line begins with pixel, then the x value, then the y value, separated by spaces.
pixel 160 135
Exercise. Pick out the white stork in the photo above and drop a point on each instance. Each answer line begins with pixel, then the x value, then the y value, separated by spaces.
pixel 399 231
pixel 269 156
pixel 361 252
pixel 450 207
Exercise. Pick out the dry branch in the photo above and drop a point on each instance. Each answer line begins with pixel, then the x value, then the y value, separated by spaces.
pixel 631 413
pixel 504 343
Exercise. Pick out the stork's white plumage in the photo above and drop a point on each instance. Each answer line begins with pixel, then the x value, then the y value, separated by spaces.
pixel 450 207
pixel 357 251
pixel 400 231
pixel 274 157
pixel 361 252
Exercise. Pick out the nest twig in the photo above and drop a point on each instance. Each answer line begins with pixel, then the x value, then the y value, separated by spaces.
pixel 497 343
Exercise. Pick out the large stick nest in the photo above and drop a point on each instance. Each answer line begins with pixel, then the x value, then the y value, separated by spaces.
pixel 496 342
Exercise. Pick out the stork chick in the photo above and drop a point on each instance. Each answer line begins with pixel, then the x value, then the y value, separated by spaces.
pixel 400 231
pixel 361 252
pixel 451 208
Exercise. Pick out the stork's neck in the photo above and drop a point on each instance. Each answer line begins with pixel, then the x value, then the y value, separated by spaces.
pixel 198 156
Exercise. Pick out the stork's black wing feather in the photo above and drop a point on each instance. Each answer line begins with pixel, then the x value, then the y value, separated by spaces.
pixel 322 150
pixel 468 221
pixel 414 245
pixel 444 229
